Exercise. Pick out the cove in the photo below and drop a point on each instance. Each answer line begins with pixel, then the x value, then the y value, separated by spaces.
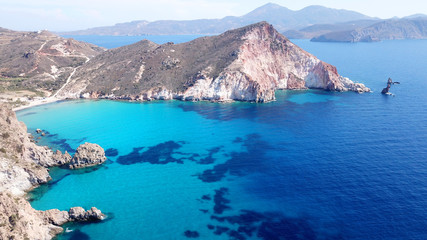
pixel 311 165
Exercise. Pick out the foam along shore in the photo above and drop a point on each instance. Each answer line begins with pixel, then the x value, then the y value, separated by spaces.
pixel 37 102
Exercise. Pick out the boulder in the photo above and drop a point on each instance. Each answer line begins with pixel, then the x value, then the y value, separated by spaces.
pixel 77 214
pixel 87 154
pixel 80 215
pixel 94 214
pixel 56 217
pixel 61 159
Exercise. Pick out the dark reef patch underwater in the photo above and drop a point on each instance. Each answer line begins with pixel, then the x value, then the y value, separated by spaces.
pixel 311 165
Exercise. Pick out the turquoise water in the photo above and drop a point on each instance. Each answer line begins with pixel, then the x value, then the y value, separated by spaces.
pixel 311 165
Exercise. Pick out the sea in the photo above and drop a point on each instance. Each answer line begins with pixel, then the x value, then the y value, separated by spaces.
pixel 311 165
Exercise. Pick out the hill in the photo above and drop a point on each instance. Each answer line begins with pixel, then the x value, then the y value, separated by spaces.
pixel 245 64
pixel 405 28
pixel 282 18
pixel 38 63
pixel 320 29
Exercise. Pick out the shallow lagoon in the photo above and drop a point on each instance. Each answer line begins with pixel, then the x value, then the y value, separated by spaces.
pixel 311 165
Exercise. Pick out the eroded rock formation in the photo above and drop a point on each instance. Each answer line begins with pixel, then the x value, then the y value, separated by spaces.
pixel 20 221
pixel 87 154
pixel 245 64
pixel 23 166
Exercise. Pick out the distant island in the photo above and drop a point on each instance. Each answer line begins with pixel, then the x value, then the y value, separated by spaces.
pixel 318 23
pixel 406 28
pixel 282 18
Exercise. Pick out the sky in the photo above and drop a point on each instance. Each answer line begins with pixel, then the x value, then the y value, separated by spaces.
pixel 60 15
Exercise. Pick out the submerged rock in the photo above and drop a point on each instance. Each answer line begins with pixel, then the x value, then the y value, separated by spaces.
pixel 87 155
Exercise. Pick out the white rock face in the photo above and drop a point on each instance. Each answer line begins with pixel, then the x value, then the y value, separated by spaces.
pixel 13 178
pixel 250 67
pixel 268 61
pixel 23 165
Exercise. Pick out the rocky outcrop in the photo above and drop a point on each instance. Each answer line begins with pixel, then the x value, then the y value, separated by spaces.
pixel 79 214
pixel 385 30
pixel 386 90
pixel 22 163
pixel 23 166
pixel 87 154
pixel 75 214
pixel 62 158
pixel 18 220
pixel 245 64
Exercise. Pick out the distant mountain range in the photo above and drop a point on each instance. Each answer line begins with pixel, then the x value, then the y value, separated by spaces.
pixel 282 18
pixel 413 27
pixel 320 29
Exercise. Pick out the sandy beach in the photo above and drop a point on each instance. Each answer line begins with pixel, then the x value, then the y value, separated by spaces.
pixel 37 103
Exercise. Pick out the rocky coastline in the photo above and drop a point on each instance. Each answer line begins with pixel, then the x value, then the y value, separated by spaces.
pixel 24 166
pixel 245 64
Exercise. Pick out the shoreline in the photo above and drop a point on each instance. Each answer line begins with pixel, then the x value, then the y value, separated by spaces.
pixel 37 103
pixel 54 99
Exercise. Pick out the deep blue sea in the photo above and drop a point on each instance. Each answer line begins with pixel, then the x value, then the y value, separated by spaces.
pixel 311 165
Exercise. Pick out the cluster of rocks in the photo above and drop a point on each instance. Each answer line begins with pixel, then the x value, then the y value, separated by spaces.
pixel 75 214
pixel 23 166
pixel 87 155
pixel 18 220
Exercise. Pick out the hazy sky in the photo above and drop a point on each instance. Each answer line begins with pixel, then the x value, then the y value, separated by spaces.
pixel 60 15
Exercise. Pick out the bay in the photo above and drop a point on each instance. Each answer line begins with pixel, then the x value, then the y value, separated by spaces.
pixel 311 165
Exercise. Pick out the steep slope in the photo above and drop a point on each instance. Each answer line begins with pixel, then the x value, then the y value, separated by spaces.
pixel 246 64
pixel 282 18
pixel 39 61
pixel 407 28
pixel 23 166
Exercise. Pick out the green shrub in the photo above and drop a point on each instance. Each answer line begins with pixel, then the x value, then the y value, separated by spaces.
pixel 5 135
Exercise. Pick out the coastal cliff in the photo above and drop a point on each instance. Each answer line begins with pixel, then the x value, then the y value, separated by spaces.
pixel 23 166
pixel 245 64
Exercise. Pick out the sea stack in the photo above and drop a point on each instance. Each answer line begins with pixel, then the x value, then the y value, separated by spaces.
pixel 387 89
pixel 245 64
pixel 87 155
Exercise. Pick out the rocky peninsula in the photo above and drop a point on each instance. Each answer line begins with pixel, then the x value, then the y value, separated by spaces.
pixel 24 166
pixel 245 64
pixel 390 29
